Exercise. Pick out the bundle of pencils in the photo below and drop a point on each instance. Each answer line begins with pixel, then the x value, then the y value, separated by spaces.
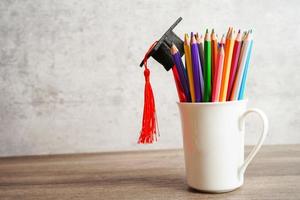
pixel 214 71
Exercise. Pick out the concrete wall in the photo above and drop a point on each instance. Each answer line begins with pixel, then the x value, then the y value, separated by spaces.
pixel 70 81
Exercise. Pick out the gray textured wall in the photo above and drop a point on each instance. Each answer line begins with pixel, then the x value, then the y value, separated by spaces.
pixel 70 81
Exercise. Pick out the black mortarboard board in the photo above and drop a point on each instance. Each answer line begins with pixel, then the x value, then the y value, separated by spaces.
pixel 161 51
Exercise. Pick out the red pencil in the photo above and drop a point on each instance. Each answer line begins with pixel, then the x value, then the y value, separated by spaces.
pixel 234 62
pixel 179 87
pixel 218 72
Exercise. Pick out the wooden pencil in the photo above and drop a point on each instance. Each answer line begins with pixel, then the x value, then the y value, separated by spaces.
pixel 200 42
pixel 180 68
pixel 218 74
pixel 245 73
pixel 207 67
pixel 179 87
pixel 230 29
pixel 214 54
pixel 234 62
pixel 189 67
pixel 197 72
pixel 227 64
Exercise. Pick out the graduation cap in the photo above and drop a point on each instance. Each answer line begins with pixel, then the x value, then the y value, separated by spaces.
pixel 161 51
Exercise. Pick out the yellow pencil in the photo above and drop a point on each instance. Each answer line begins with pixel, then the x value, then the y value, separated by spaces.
pixel 227 64
pixel 187 52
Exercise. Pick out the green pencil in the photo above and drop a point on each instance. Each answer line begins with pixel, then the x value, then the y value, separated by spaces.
pixel 207 67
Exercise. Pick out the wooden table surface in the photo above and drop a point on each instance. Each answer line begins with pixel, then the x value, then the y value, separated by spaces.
pixel 274 174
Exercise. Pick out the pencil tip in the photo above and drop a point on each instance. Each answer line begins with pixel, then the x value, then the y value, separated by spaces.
pixel 239 31
pixel 186 39
pixel 173 49
pixel 233 33
pixel 193 39
pixel 206 30
pixel 222 41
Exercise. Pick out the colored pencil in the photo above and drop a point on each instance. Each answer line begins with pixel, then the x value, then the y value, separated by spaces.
pixel 243 84
pixel 214 54
pixel 241 68
pixel 189 67
pixel 179 88
pixel 199 39
pixel 197 72
pixel 227 64
pixel 218 74
pixel 234 62
pixel 180 68
pixel 207 67
pixel 230 29
pixel 244 36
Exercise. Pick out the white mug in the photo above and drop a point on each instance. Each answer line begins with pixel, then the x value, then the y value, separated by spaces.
pixel 213 141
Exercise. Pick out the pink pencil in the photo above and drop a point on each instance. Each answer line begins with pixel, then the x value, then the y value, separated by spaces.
pixel 234 62
pixel 218 72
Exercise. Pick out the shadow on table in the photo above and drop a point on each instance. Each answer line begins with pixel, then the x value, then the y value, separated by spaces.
pixel 164 180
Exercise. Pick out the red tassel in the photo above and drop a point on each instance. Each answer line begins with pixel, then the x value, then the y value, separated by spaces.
pixel 149 125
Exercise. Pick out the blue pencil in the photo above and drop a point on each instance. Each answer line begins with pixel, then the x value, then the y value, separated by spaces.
pixel 181 72
pixel 243 84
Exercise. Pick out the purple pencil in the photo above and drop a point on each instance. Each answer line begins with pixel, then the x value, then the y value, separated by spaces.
pixel 197 69
pixel 182 75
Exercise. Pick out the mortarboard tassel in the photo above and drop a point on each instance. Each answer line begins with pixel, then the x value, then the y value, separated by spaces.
pixel 149 125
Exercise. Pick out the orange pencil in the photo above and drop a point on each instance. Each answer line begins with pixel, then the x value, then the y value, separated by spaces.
pixel 214 53
pixel 218 73
pixel 230 29
pixel 227 64
pixel 189 67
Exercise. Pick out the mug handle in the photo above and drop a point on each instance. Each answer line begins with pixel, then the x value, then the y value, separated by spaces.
pixel 263 135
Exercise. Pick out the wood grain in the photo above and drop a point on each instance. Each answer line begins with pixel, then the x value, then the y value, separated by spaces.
pixel 274 174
